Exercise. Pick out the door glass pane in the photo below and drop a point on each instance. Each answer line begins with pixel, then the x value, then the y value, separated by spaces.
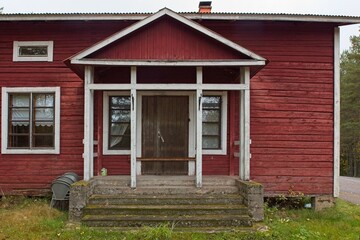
pixel 211 102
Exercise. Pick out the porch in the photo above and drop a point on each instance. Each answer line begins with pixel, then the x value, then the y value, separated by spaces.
pixel 223 202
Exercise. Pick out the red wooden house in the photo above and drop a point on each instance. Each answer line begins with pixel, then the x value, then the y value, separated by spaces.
pixel 248 95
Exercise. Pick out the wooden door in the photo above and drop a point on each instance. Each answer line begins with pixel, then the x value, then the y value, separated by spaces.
pixel 165 127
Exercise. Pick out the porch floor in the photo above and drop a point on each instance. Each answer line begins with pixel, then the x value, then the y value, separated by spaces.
pixel 158 180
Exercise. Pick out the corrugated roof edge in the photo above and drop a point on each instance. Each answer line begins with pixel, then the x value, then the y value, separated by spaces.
pixel 191 15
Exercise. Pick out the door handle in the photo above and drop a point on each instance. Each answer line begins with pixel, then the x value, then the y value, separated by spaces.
pixel 159 136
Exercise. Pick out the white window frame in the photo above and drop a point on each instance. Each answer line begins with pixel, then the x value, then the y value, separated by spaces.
pixel 18 58
pixel 106 150
pixel 224 104
pixel 4 119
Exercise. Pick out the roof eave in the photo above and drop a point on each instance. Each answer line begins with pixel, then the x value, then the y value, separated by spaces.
pixel 341 20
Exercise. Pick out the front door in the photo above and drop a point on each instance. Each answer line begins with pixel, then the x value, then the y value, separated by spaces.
pixel 165 128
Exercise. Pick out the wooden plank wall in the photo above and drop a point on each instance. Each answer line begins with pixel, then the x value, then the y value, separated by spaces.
pixel 33 174
pixel 291 103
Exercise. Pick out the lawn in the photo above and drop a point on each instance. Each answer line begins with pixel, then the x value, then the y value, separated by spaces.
pixel 31 218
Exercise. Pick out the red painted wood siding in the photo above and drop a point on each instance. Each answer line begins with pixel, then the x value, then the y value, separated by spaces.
pixel 291 103
pixel 167 39
pixel 33 174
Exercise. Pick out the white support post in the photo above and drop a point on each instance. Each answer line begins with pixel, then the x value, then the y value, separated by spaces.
pixel 336 111
pixel 199 80
pixel 133 128
pixel 88 141
pixel 244 145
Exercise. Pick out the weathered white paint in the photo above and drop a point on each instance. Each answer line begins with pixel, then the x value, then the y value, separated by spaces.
pixel 191 168
pixel 18 58
pixel 336 111
pixel 170 86
pixel 245 127
pixel 138 168
pixel 5 119
pixel 238 62
pixel 176 16
pixel 88 124
pixel 199 80
pixel 133 171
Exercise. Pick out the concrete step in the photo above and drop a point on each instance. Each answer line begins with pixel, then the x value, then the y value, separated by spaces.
pixel 167 210
pixel 115 190
pixel 145 181
pixel 184 229
pixel 177 221
pixel 189 199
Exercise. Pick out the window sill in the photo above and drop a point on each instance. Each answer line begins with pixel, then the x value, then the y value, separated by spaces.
pixel 116 152
pixel 28 151
pixel 214 152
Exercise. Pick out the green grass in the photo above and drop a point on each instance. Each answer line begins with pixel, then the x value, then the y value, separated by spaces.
pixel 31 218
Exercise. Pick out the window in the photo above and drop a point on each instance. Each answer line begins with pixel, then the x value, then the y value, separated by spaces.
pixel 117 133
pixel 33 51
pixel 31 119
pixel 214 123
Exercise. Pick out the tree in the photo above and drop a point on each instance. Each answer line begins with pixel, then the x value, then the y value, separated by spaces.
pixel 350 109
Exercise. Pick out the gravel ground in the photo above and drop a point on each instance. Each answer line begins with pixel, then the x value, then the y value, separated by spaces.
pixel 350 189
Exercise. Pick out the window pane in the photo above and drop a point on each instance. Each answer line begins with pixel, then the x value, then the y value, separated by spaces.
pixel 43 141
pixel 120 129
pixel 210 142
pixel 44 114
pixel 33 51
pixel 19 129
pixel 211 116
pixel 120 116
pixel 120 143
pixel 20 100
pixel 43 128
pixel 16 141
pixel 211 129
pixel 211 102
pixel 119 122
pixel 120 102
pixel 44 100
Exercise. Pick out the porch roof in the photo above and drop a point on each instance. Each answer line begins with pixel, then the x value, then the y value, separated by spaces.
pixel 166 39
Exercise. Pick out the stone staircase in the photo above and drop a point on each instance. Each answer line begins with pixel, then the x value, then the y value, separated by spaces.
pixel 166 200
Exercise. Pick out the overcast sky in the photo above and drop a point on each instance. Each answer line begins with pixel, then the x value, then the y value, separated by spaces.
pixel 329 7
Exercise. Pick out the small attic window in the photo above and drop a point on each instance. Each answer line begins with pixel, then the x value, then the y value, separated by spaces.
pixel 33 51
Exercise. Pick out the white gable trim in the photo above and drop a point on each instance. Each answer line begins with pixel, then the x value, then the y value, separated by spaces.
pixel 162 12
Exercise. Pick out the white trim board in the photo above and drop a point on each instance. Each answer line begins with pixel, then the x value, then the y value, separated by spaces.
pixel 112 62
pixel 4 119
pixel 171 86
pixel 152 18
pixel 336 189
pixel 18 58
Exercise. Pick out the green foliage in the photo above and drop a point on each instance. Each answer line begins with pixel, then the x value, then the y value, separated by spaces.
pixel 26 218
pixel 291 200
pixel 350 109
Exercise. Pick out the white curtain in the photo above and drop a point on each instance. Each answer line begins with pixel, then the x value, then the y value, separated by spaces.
pixel 118 130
